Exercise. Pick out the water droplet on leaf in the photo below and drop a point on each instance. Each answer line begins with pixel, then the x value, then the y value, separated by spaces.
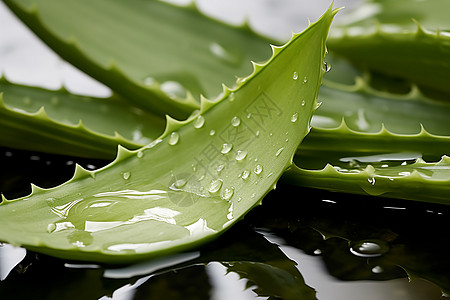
pixel 215 185
pixel 226 148
pixel 241 154
pixel 199 122
pixel 294 118
pixel 295 76
pixel 235 121
pixel 258 169
pixel 227 193
pixel 174 138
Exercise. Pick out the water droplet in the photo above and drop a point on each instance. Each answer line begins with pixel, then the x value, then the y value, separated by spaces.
pixel 212 132
pixel 27 100
pixel 227 193
pixel 220 52
pixel 199 122
pixel 245 174
pixel 55 100
pixel 231 97
pixel 241 154
pixel 317 252
pixel 295 76
pixel 235 121
pixel 149 81
pixel 258 169
pixel 249 115
pixel 140 154
pixel 294 118
pixel 220 168
pixel 50 201
pixel 377 270
pixel 305 80
pixel 215 185
pixel 174 138
pixel 303 102
pixel 279 151
pixel 369 249
pixel 173 89
pixel 257 133
pixel 51 227
pixel 126 175
pixel 180 183
pixel 226 148
pixel 326 67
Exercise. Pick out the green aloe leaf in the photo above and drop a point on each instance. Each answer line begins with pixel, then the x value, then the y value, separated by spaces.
pixel 388 175
pixel 192 183
pixel 63 123
pixel 378 37
pixel 155 54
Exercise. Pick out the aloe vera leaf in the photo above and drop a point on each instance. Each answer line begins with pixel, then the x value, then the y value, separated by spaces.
pixel 379 175
pixel 419 55
pixel 63 123
pixel 432 14
pixel 193 182
pixel 142 48
pixel 365 109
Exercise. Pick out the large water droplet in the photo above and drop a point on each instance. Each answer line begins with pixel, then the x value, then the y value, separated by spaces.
pixel 215 185
pixel 295 76
pixel 235 121
pixel 199 122
pixel 180 183
pixel 369 249
pixel 227 193
pixel 226 148
pixel 241 154
pixel 258 169
pixel 126 175
pixel 294 118
pixel 174 138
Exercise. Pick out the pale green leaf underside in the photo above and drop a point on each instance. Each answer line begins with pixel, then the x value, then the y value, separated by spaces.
pixel 63 123
pixel 153 53
pixel 189 185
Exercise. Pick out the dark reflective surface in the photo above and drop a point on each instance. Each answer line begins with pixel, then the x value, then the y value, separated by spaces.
pixel 300 244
